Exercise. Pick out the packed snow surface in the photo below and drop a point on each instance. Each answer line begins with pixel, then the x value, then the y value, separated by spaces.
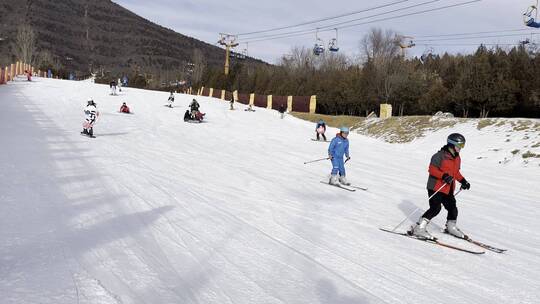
pixel 156 210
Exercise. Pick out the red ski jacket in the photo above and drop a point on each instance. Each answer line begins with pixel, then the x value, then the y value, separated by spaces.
pixel 444 162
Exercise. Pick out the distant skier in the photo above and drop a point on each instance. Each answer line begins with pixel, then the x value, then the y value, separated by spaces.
pixel 320 129
pixel 171 100
pixel 249 109
pixel 29 75
pixel 232 103
pixel 282 110
pixel 339 147
pixel 112 85
pixel 124 109
pixel 91 114
pixel 444 170
pixel 119 84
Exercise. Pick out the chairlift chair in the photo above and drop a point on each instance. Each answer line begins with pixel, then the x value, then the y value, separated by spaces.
pixel 530 17
pixel 318 49
pixel 333 45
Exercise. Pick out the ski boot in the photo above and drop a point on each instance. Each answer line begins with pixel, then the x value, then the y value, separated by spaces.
pixel 343 181
pixel 420 230
pixel 84 132
pixel 333 180
pixel 452 229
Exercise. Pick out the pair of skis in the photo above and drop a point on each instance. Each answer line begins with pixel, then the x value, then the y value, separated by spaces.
pixel 442 244
pixel 346 187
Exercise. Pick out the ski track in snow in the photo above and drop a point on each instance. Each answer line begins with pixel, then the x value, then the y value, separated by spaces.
pixel 155 210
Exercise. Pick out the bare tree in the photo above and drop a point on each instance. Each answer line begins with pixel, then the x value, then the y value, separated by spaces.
pixel 25 43
pixel 199 65
pixel 381 48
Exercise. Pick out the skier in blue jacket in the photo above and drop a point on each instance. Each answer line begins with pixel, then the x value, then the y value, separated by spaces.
pixel 339 146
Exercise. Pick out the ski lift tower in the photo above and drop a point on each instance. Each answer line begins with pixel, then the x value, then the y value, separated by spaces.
pixel 405 42
pixel 228 41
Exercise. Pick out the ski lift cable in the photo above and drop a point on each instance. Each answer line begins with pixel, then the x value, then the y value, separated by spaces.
pixel 336 25
pixel 470 44
pixel 324 19
pixel 331 27
pixel 476 37
pixel 470 33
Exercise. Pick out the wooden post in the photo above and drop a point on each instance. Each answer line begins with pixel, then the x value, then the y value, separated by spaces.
pixel 289 103
pixel 269 102
pixel 312 104
pixel 235 95
pixel 211 92
pixel 223 94
pixel 252 99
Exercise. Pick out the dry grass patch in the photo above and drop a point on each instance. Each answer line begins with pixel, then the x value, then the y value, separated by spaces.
pixel 530 154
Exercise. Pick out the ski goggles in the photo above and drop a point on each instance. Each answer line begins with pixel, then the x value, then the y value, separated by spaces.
pixel 460 145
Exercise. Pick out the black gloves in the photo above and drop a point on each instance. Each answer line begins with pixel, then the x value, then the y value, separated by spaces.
pixel 447 178
pixel 465 184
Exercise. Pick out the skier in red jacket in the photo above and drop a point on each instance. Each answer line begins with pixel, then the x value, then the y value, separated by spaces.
pixel 124 108
pixel 444 170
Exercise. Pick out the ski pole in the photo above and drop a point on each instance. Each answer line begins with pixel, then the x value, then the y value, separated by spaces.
pixel 317 160
pixel 415 210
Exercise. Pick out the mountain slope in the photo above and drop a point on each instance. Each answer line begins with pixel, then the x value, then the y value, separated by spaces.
pixel 155 210
pixel 101 33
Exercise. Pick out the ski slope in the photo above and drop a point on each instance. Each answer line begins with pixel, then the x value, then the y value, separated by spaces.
pixel 155 210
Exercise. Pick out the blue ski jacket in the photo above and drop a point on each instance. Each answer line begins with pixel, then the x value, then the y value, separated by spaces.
pixel 339 146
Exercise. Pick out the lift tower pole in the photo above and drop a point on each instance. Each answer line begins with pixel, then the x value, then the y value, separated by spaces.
pixel 228 41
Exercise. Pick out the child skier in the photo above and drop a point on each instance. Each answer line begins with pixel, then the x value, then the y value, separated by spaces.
pixel 339 146
pixel 444 170
pixel 282 111
pixel 171 100
pixel 112 84
pixel 320 129
pixel 91 113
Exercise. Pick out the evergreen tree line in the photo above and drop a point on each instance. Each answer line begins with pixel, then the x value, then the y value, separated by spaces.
pixel 490 82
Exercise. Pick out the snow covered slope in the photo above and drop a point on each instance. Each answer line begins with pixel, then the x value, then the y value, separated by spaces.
pixel 155 210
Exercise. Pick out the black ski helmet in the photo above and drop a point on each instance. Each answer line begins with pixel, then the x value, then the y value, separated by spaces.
pixel 456 139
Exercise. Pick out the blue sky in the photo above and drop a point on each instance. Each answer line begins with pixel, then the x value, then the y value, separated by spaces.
pixel 205 19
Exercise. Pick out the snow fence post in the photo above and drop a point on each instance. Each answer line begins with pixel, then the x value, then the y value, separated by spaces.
pixel 312 104
pixel 289 103
pixel 386 111
pixel 211 92
pixel 223 94
pixel 235 95
pixel 252 99
pixel 269 102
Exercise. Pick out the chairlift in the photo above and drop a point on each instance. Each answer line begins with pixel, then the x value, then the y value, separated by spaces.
pixel 318 49
pixel 530 17
pixel 333 45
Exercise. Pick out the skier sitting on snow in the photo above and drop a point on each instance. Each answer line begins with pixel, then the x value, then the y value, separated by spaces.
pixel 194 106
pixel 91 113
pixel 124 108
pixel 320 129
pixel 444 170
pixel 187 116
pixel 339 146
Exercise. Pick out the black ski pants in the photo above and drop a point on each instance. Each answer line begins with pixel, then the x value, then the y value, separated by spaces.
pixel 323 136
pixel 448 201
